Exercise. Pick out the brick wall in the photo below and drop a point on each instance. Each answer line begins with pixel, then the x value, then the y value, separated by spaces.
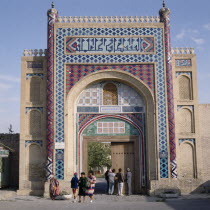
pixel 12 141
pixel 204 115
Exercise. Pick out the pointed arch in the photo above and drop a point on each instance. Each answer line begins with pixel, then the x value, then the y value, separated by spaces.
pixel 185 88
pixel 35 123
pixel 35 90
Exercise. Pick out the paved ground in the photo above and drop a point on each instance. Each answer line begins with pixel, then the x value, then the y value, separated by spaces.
pixel 103 201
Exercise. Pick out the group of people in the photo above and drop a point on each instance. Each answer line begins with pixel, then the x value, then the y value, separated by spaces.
pixel 115 181
pixel 86 185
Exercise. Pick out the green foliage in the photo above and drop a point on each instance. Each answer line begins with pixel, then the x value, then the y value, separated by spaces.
pixel 99 155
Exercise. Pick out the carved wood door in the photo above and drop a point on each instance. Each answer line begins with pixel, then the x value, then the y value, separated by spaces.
pixel 123 156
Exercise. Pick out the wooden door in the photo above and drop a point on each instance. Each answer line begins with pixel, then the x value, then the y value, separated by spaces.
pixel 123 156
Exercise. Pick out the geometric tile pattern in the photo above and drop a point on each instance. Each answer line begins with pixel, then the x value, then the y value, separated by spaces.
pixel 129 97
pixel 184 73
pixel 34 64
pixel 133 109
pixel 34 108
pixel 191 107
pixel 165 18
pixel 144 72
pixel 93 95
pixel 109 45
pixel 28 142
pixel 31 75
pixel 184 140
pixel 137 118
pixel 59 163
pixel 87 109
pixel 52 16
pixel 90 96
pixel 110 127
pixel 95 64
pixel 91 130
pixel 183 62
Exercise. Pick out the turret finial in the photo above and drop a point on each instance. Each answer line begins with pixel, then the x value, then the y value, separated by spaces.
pixel 164 4
pixel 53 5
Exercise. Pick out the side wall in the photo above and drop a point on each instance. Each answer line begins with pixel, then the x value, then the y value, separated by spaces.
pixel 33 125
pixel 187 118
pixel 204 117
pixel 190 146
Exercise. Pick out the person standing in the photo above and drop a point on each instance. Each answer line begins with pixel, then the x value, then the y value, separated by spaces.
pixel 120 180
pixel 74 186
pixel 111 176
pixel 107 181
pixel 91 185
pixel 83 182
pixel 129 181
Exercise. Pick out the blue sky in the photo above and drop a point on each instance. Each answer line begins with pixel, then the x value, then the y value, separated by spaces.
pixel 24 26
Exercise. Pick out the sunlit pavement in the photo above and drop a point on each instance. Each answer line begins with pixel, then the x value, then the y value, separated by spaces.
pixel 103 201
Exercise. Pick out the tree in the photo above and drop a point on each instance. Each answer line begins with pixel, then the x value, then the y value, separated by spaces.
pixel 99 155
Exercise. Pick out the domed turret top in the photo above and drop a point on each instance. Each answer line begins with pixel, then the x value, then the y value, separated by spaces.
pixel 52 10
pixel 164 11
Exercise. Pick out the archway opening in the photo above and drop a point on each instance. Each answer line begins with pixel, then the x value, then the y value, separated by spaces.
pixel 80 114
pixel 126 151
pixel 119 129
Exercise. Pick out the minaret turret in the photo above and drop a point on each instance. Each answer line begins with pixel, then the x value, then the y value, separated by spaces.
pixel 52 18
pixel 165 18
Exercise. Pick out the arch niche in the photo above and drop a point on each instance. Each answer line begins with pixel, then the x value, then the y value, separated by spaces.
pixel 70 118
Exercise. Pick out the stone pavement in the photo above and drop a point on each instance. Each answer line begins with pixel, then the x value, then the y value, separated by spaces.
pixel 102 202
pixel 7 194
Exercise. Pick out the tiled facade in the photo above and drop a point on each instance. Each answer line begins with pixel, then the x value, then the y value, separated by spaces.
pixel 157 58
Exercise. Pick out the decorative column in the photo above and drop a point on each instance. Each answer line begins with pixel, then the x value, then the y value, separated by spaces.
pixel 165 18
pixel 52 17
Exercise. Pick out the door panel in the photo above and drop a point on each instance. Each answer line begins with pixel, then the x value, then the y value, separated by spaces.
pixel 123 156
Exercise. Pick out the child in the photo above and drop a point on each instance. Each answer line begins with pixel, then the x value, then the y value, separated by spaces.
pixel 83 182
pixel 74 186
pixel 91 185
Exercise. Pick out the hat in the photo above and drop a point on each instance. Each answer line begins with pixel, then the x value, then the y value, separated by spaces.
pixel 75 174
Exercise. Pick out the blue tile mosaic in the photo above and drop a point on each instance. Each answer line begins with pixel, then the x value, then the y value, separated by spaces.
pixel 184 73
pixel 59 155
pixel 32 75
pixel 191 107
pixel 187 140
pixel 183 62
pixel 28 142
pixel 34 64
pixel 34 108
pixel 87 109
pixel 132 109
pixel 157 58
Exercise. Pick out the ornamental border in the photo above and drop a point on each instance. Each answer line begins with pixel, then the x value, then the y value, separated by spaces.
pixel 110 36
